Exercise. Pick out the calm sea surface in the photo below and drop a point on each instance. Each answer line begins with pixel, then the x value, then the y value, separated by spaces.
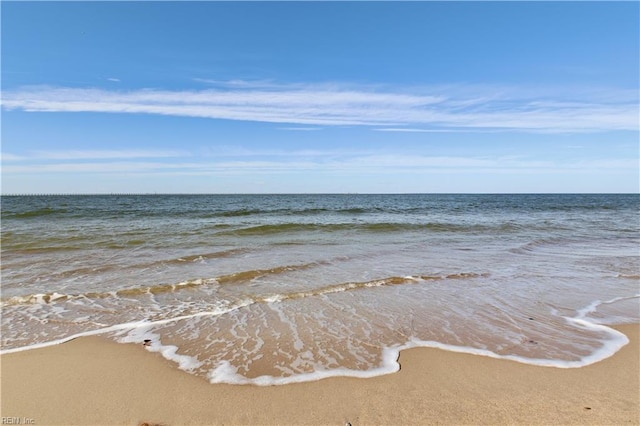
pixel 271 289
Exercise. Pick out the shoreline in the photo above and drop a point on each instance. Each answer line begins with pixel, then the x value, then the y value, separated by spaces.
pixel 93 380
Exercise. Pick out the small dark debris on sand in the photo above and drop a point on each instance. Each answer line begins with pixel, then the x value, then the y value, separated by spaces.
pixel 147 342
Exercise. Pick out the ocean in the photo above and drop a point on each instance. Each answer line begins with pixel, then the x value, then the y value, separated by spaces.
pixel 275 289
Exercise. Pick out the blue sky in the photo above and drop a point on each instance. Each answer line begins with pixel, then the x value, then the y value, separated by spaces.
pixel 277 97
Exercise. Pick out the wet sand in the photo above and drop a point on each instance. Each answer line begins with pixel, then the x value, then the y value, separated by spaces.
pixel 96 381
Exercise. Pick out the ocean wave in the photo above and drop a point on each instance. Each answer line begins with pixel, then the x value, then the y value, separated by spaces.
pixel 630 276
pixel 237 278
pixel 381 227
pixel 47 211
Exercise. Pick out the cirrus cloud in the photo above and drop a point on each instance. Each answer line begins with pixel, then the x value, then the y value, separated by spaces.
pixel 447 108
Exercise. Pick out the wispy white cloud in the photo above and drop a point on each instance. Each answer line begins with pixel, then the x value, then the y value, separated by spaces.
pixel 5 156
pixel 73 155
pixel 99 167
pixel 301 129
pixel 115 80
pixel 446 130
pixel 239 151
pixel 239 84
pixel 446 108
pixel 363 163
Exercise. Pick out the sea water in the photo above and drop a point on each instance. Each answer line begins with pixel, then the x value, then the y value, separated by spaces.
pixel 274 289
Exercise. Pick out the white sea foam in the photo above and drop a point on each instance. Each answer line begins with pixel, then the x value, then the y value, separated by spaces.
pixel 225 372
pixel 144 324
pixel 145 335
pixel 113 328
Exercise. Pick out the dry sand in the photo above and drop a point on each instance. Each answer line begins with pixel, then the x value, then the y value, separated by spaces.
pixel 95 381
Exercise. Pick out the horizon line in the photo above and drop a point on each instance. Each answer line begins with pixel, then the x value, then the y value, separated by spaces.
pixel 60 194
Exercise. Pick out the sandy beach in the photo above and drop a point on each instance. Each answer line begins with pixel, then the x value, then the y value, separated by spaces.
pixel 95 381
